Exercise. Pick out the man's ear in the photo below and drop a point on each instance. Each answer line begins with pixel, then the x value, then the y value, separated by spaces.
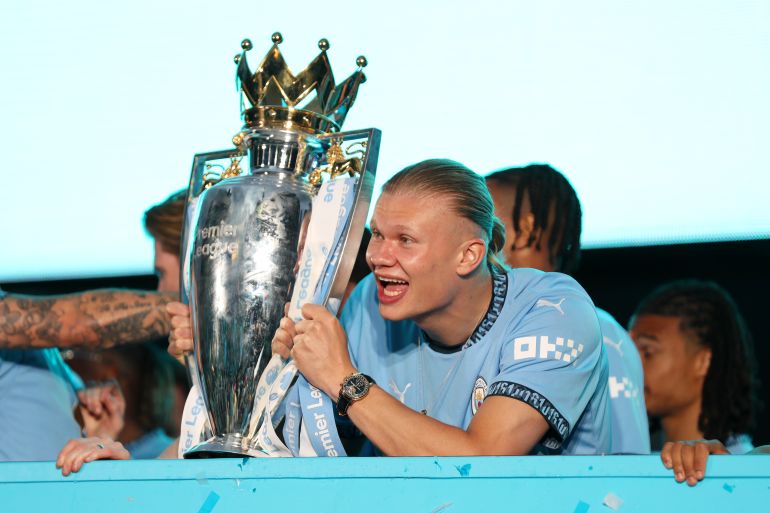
pixel 525 234
pixel 474 253
pixel 703 362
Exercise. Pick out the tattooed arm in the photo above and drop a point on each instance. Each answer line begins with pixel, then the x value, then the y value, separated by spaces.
pixel 100 318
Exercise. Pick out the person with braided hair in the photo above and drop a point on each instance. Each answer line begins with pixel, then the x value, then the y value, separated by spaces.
pixel 543 220
pixel 698 364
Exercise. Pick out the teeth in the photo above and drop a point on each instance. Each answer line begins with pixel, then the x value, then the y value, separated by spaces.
pixel 391 293
pixel 389 280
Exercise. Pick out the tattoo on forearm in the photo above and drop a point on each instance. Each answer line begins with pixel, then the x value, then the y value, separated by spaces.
pixel 101 318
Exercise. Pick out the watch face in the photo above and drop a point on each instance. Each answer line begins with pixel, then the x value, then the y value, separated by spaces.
pixel 355 386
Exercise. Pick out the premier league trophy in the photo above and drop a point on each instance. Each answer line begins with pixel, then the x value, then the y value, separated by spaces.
pixel 251 245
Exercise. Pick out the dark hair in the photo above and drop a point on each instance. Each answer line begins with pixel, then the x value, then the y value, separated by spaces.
pixel 546 188
pixel 361 267
pixel 709 314
pixel 164 221
pixel 468 194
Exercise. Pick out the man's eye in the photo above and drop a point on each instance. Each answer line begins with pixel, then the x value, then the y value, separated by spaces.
pixel 406 240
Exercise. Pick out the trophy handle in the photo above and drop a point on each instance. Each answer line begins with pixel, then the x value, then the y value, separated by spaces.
pixel 359 150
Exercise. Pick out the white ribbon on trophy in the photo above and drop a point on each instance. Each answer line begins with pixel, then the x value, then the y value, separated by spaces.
pixel 323 245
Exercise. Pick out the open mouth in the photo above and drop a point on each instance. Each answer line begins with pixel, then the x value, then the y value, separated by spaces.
pixel 391 290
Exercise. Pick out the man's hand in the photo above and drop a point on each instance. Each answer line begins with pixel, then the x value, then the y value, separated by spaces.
pixel 83 450
pixel 321 350
pixel 103 409
pixel 688 459
pixel 180 341
pixel 283 341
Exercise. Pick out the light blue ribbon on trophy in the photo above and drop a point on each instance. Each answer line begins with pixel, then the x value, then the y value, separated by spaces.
pixel 292 420
pixel 317 407
pixel 194 422
pixel 323 245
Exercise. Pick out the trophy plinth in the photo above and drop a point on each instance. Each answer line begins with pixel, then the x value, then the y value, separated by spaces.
pixel 227 446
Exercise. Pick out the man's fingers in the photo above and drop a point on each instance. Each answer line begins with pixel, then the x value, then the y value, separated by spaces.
pixel 676 463
pixel 181 339
pixel 288 325
pixel 281 349
pixel 688 463
pixel 178 321
pixel 701 456
pixel 282 342
pixel 64 454
pixel 311 311
pixel 177 308
pixel 302 327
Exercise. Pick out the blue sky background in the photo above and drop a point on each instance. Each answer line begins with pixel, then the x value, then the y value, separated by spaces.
pixel 658 112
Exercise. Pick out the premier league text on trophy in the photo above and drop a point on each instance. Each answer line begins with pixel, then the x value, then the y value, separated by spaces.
pixel 217 247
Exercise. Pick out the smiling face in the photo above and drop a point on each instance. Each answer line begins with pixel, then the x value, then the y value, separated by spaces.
pixel 416 250
pixel 674 364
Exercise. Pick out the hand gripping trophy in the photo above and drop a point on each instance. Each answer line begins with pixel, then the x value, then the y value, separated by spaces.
pixel 263 241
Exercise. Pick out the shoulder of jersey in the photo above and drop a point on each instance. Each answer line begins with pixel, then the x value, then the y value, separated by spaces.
pixel 536 283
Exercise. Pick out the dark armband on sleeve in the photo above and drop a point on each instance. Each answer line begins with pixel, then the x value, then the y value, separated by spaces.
pixel 559 426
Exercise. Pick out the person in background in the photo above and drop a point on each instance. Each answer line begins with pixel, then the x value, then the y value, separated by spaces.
pixel 698 364
pixel 39 391
pixel 543 220
pixel 148 376
pixel 145 375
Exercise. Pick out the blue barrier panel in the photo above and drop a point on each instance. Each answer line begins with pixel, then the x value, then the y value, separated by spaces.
pixel 557 484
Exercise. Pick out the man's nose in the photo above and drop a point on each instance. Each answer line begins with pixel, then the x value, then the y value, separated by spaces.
pixel 380 254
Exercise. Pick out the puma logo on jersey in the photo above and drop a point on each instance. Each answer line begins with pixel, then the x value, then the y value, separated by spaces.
pixel 400 393
pixel 542 347
pixel 609 342
pixel 556 306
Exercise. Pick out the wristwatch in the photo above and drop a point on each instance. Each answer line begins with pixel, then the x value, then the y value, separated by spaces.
pixel 353 388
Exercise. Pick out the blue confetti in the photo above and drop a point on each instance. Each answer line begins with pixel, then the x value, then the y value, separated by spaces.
pixel 209 503
pixel 582 507
pixel 728 488
pixel 464 470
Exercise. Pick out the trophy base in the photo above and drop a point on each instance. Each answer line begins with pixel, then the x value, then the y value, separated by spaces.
pixel 227 446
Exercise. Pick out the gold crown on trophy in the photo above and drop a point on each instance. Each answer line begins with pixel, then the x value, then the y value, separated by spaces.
pixel 277 96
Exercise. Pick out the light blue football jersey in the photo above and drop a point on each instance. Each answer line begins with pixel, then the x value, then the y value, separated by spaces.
pixel 630 429
pixel 539 343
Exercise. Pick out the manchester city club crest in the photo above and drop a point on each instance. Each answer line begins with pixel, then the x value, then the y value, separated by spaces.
pixel 478 394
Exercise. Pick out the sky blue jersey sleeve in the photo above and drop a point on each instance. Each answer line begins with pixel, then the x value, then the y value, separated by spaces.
pixel 630 428
pixel 552 357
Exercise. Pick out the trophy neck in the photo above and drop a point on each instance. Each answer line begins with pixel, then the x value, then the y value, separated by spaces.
pixel 272 150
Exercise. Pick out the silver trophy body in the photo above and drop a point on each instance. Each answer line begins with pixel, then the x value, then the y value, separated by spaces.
pixel 246 235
